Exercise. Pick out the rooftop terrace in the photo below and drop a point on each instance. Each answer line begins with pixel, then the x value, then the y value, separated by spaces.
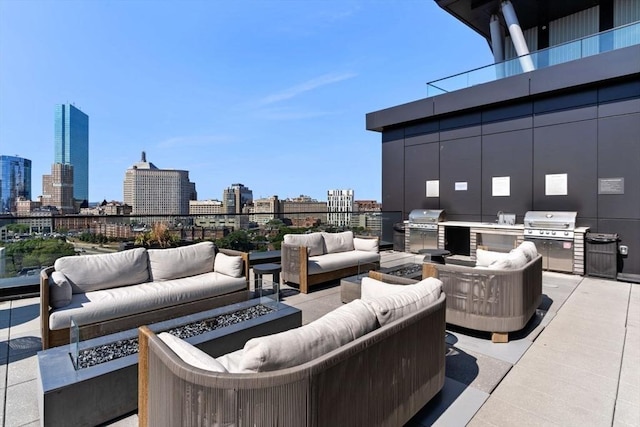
pixel 576 363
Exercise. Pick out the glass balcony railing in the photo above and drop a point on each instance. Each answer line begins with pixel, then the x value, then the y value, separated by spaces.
pixel 30 243
pixel 616 38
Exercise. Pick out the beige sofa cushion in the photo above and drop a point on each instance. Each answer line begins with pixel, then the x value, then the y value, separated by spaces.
pixel 191 354
pixel 338 242
pixel 313 241
pixel 106 304
pixel 340 260
pixel 230 265
pixel 485 258
pixel 60 292
pixel 412 298
pixel 88 273
pixel 174 263
pixel 300 345
pixel 367 245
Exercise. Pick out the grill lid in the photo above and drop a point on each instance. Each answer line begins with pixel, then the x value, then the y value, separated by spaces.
pixel 426 216
pixel 550 225
pixel 552 220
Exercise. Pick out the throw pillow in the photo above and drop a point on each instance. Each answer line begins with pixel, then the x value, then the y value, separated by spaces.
pixel 190 354
pixel 312 241
pixel 229 265
pixel 300 345
pixel 484 258
pixel 390 308
pixel 372 288
pixel 367 245
pixel 338 242
pixel 59 290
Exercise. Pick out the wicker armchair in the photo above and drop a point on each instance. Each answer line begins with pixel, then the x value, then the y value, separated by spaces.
pixel 383 378
pixel 496 301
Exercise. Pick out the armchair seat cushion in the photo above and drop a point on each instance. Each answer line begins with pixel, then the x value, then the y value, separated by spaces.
pixel 106 304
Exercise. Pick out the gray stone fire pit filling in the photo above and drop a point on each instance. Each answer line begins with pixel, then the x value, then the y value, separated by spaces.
pixel 122 348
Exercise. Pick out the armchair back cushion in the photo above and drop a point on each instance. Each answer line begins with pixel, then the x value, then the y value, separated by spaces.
pixel 338 242
pixel 514 260
pixel 485 258
pixel 297 346
pixel 313 241
pixel 88 273
pixel 174 263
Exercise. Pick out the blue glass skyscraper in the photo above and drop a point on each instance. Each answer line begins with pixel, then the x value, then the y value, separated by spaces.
pixel 72 146
pixel 15 181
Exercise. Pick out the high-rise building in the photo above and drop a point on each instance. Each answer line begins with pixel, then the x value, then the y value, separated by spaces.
pixel 152 191
pixel 236 197
pixel 15 181
pixel 57 188
pixel 339 207
pixel 71 143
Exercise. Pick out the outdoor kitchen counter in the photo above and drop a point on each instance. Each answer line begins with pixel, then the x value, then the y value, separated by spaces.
pixel 472 224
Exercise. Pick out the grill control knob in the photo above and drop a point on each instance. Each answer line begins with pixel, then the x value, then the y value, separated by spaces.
pixel 553 233
pixel 566 233
pixel 530 231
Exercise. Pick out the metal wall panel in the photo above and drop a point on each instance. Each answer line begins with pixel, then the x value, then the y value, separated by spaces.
pixel 625 12
pixel 422 163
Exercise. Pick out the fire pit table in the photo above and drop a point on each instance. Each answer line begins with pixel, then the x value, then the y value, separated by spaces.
pixel 106 381
pixel 350 287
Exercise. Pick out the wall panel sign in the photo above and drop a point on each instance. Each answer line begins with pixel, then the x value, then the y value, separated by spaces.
pixel 433 188
pixel 501 186
pixel 610 185
pixel 555 184
pixel 461 186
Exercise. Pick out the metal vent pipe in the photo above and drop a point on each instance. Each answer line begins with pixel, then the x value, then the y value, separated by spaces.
pixel 517 37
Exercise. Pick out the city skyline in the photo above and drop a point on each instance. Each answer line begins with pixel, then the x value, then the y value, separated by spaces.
pixel 272 93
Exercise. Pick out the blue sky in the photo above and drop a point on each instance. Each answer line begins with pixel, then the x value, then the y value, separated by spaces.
pixel 271 94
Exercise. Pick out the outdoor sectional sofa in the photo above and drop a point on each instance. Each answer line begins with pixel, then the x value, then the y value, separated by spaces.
pixel 373 362
pixel 498 295
pixel 108 293
pixel 310 259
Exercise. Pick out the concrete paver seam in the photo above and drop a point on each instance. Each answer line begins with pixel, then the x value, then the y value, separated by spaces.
pixel 624 343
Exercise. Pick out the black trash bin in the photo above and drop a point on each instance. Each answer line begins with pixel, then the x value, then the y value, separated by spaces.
pixel 398 237
pixel 601 255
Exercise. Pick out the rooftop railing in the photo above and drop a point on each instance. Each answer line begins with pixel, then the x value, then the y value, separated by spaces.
pixel 30 243
pixel 617 38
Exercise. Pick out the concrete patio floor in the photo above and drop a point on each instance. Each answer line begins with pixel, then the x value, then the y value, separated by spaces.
pixel 576 363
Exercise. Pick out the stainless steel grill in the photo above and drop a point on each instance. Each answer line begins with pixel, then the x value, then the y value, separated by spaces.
pixel 426 219
pixel 423 228
pixel 553 234
pixel 549 225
